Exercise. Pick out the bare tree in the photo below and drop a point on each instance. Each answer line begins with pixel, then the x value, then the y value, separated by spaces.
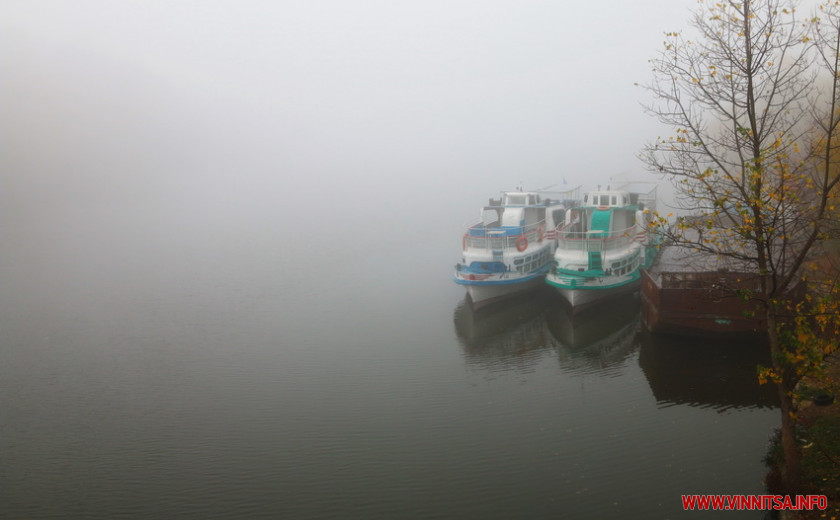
pixel 751 157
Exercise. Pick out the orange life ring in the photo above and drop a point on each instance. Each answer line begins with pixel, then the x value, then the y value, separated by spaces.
pixel 521 243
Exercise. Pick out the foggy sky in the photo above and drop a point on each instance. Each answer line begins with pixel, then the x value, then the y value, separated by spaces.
pixel 150 102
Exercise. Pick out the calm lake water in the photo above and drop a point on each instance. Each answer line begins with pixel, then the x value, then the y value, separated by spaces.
pixel 180 362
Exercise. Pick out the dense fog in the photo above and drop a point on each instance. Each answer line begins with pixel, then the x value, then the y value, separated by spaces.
pixel 264 110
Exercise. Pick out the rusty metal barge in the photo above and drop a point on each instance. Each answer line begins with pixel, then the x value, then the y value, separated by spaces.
pixel 686 297
pixel 700 303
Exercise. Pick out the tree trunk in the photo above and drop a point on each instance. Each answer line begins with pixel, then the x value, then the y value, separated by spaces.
pixel 790 471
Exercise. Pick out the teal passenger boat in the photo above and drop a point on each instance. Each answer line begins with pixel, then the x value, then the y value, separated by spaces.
pixel 603 245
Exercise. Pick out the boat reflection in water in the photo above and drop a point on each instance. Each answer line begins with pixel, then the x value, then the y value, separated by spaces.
pixel 505 333
pixel 706 373
pixel 521 332
pixel 598 337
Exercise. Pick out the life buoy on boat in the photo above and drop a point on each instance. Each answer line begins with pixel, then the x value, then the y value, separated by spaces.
pixel 541 232
pixel 521 243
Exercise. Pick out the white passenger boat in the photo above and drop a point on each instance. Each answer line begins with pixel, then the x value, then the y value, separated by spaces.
pixel 510 249
pixel 602 246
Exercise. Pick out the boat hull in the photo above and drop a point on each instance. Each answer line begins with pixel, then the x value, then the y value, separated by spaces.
pixel 485 294
pixel 582 291
pixel 583 298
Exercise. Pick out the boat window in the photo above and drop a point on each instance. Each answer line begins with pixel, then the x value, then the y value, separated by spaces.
pixel 605 200
pixel 613 200
pixel 517 199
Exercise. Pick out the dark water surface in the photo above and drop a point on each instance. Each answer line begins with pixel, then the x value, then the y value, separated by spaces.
pixel 183 364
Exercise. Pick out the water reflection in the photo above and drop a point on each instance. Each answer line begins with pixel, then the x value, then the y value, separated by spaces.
pixel 540 323
pixel 597 338
pixel 510 331
pixel 605 410
pixel 703 372
pixel 521 332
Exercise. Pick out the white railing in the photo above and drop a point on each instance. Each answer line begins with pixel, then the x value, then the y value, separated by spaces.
pixel 501 239
pixel 597 240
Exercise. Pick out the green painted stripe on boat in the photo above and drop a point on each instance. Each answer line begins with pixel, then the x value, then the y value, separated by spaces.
pixel 592 273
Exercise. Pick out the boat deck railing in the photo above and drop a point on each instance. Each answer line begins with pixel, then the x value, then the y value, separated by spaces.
pixel 598 240
pixel 504 238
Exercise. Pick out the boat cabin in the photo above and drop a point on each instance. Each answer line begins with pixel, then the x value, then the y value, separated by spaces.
pixel 610 199
pixel 514 210
pixel 518 198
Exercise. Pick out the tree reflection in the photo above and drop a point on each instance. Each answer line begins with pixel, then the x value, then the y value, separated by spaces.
pixel 705 372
